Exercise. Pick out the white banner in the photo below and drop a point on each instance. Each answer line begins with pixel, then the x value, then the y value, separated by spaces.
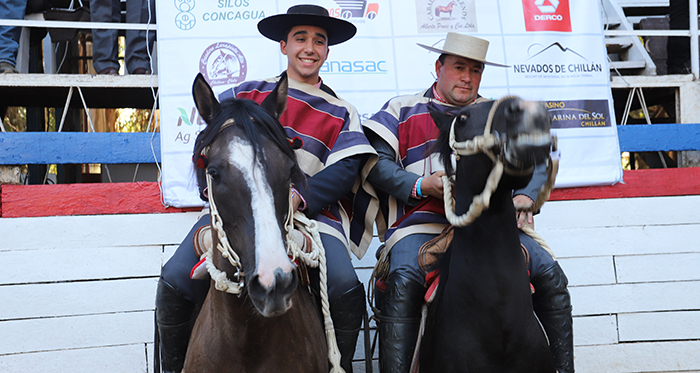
pixel 555 50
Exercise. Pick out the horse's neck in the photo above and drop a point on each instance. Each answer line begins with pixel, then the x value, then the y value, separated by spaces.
pixel 493 236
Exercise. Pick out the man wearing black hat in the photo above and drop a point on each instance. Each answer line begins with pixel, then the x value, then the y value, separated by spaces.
pixel 334 151
pixel 407 178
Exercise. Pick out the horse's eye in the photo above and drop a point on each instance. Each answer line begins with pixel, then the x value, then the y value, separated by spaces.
pixel 463 119
pixel 513 108
pixel 214 175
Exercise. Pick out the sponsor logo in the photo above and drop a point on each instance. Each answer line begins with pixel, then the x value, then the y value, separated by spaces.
pixel 223 63
pixel 354 67
pixel 230 12
pixel 579 113
pixel 547 15
pixel 184 135
pixel 189 120
pixel 184 20
pixel 446 15
pixel 570 64
pixel 355 11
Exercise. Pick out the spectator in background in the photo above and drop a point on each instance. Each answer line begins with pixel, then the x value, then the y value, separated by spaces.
pixel 678 47
pixel 9 35
pixel 105 46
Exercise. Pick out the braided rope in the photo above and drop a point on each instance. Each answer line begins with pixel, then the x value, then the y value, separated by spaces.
pixel 542 197
pixel 221 280
pixel 479 203
pixel 479 144
pixel 546 189
pixel 315 258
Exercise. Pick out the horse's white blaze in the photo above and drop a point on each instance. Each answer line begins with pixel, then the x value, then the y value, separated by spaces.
pixel 270 252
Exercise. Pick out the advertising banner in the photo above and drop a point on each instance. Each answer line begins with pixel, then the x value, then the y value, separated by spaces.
pixel 555 51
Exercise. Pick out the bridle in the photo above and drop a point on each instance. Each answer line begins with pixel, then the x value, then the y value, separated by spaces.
pixel 314 257
pixel 223 245
pixel 485 144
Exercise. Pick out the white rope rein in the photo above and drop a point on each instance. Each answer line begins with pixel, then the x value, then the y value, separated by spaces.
pixel 483 144
pixel 479 144
pixel 221 280
pixel 315 258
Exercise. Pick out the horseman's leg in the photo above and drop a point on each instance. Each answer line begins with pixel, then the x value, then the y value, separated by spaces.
pixel 552 303
pixel 176 299
pixel 346 296
pixel 400 313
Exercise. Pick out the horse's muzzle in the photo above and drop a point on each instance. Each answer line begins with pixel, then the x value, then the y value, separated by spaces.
pixel 527 150
pixel 276 299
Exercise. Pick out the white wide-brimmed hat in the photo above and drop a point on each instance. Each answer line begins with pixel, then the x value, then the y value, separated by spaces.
pixel 465 46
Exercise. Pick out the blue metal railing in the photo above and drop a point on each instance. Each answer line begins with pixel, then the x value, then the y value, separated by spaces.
pixel 110 148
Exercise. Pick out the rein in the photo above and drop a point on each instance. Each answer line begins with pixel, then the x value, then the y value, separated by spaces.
pixel 479 144
pixel 484 144
pixel 221 280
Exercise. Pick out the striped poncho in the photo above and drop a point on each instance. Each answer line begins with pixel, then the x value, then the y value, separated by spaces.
pixel 331 131
pixel 404 123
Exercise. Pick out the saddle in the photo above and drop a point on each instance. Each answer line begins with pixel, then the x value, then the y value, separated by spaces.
pixel 429 254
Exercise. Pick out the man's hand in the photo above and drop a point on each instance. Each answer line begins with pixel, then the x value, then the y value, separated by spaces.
pixel 523 202
pixel 432 185
pixel 296 202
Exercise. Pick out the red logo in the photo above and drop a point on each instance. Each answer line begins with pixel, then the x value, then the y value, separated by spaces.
pixel 547 15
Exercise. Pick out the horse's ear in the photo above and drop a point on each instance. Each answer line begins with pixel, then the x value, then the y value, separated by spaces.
pixel 276 102
pixel 442 120
pixel 204 98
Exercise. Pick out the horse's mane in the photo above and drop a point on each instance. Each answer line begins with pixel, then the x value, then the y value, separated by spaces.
pixel 442 144
pixel 476 114
pixel 255 122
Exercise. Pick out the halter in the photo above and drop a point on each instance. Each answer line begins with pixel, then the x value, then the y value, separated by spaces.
pixel 483 144
pixel 314 258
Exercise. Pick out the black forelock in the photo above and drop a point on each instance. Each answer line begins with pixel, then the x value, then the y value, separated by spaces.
pixel 255 121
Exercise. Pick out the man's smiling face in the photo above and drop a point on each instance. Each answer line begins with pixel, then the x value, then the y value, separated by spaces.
pixel 306 49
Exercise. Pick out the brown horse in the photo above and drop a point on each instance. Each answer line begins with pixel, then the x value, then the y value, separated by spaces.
pixel 270 323
pixel 444 9
pixel 481 319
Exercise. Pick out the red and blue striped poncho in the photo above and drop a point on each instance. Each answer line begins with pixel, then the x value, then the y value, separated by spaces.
pixel 331 131
pixel 405 124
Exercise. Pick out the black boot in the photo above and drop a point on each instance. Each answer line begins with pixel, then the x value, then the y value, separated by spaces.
pixel 552 305
pixel 399 322
pixel 347 312
pixel 174 316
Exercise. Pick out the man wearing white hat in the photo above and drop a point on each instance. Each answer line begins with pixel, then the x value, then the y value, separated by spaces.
pixel 407 179
pixel 332 151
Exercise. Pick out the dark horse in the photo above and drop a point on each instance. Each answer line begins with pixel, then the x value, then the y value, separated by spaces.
pixel 273 324
pixel 481 319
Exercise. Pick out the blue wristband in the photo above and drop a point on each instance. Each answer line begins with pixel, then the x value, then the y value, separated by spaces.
pixel 418 192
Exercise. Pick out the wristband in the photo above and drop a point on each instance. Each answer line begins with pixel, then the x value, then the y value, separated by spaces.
pixel 418 192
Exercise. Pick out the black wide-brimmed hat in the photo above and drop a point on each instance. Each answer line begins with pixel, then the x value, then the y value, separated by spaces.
pixel 276 27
